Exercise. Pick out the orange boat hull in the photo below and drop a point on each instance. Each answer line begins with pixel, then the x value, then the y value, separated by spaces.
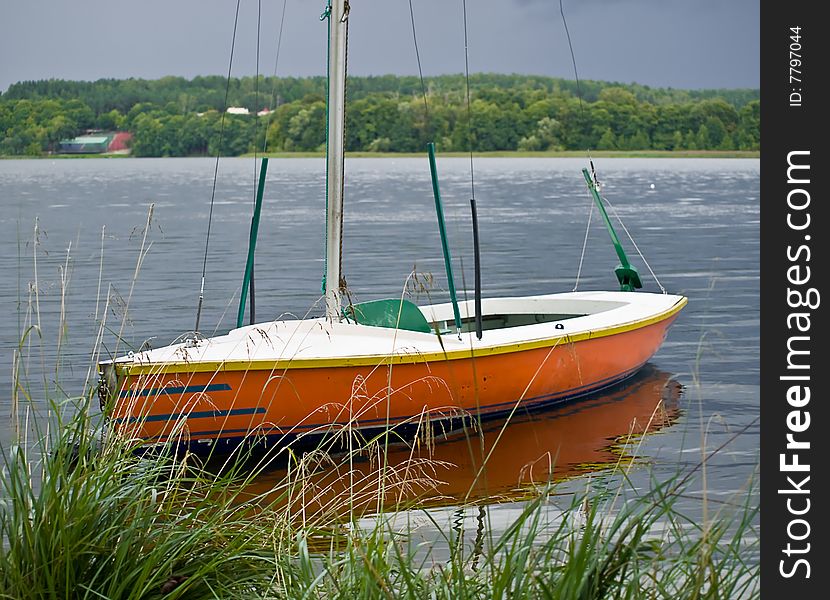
pixel 235 405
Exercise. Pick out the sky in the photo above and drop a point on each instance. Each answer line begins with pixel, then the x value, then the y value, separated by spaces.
pixel 689 44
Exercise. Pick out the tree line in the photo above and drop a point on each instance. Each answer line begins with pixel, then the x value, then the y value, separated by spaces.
pixel 174 116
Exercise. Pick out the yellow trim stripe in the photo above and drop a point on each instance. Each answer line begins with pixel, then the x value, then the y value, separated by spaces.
pixel 374 360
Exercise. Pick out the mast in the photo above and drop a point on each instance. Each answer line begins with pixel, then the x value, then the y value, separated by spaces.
pixel 335 135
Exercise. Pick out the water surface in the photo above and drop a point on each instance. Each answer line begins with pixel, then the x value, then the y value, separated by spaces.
pixel 78 226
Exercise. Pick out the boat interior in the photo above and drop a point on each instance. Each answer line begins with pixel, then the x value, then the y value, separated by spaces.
pixel 506 321
pixel 502 313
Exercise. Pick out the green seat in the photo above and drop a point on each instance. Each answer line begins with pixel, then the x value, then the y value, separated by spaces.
pixel 389 312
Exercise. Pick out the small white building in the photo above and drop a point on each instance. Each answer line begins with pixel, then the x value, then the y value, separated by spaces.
pixel 238 110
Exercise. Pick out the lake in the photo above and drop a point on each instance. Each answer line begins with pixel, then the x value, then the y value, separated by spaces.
pixel 79 225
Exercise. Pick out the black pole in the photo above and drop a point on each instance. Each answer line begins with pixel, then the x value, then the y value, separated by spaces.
pixel 253 302
pixel 477 262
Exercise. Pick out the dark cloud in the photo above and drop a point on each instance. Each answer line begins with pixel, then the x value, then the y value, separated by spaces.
pixel 705 43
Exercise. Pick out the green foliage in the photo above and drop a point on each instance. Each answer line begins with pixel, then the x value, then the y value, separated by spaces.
pixel 174 116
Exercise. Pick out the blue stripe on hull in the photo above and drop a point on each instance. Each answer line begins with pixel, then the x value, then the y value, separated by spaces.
pixel 172 391
pixel 304 440
pixel 196 414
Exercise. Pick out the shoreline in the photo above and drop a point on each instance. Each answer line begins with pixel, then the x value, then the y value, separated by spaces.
pixel 495 154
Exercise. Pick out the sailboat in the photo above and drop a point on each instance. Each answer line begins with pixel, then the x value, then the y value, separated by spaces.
pixel 389 363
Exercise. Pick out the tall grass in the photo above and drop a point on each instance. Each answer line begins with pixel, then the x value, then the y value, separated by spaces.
pixel 81 519
pixel 86 518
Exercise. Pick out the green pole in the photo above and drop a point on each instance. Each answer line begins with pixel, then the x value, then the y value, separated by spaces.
pixel 627 275
pixel 249 265
pixel 439 209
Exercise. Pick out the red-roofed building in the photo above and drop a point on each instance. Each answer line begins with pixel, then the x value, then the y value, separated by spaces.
pixel 120 142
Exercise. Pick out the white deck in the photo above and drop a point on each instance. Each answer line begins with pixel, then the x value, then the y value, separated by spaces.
pixel 316 339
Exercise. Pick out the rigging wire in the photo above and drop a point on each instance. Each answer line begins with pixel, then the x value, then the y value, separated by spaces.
pixel 251 280
pixel 420 71
pixel 469 105
pixel 630 237
pixel 573 60
pixel 588 227
pixel 256 85
pixel 326 16
pixel 216 167
pixel 473 209
pixel 584 246
pixel 345 21
pixel 274 75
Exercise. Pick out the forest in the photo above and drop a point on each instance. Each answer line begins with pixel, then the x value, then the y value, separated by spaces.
pixel 174 116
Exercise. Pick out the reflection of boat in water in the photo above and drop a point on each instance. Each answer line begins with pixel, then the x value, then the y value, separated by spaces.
pixel 505 460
